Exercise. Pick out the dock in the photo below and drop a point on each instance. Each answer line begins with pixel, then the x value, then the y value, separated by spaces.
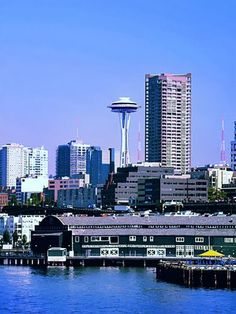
pixel 212 275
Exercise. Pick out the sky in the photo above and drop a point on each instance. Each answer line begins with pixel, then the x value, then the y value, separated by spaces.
pixel 62 62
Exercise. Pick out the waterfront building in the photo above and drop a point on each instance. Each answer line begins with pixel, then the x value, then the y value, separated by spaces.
pixel 168 120
pixel 233 150
pixel 78 154
pixel 124 106
pixel 22 224
pixel 3 221
pixel 63 161
pixel 153 236
pixel 27 186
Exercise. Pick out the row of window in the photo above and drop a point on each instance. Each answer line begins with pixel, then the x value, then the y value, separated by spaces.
pixel 114 239
pixel 177 226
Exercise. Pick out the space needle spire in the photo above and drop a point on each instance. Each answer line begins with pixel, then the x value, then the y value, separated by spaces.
pixel 124 106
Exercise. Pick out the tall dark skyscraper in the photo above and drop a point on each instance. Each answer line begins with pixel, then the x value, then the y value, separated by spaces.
pixel 112 159
pixel 63 161
pixel 168 120
pixel 94 164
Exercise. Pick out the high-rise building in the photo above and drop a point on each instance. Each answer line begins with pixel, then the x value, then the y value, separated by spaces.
pixel 35 161
pixel 233 150
pixel 12 163
pixel 168 120
pixel 78 155
pixel 18 161
pixel 94 164
pixel 63 161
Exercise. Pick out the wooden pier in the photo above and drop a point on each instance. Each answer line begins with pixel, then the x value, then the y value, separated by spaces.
pixel 207 276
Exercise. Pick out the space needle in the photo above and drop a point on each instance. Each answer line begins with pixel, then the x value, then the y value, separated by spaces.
pixel 124 106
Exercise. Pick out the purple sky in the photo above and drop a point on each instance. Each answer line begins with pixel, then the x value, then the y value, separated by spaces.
pixel 63 62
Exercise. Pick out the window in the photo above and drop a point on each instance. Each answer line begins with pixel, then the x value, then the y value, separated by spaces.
pixel 114 240
pixel 104 238
pixel 86 239
pixel 151 239
pixel 76 238
pixel 199 240
pixel 228 240
pixel 95 239
pixel 179 239
pixel 132 238
pixel 144 238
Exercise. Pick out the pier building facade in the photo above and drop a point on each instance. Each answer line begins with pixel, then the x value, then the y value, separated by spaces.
pixel 153 236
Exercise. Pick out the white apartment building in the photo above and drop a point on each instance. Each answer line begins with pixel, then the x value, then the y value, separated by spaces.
pixel 18 161
pixel 219 175
pixel 12 161
pixel 78 157
pixel 23 225
pixel 36 161
pixel 168 120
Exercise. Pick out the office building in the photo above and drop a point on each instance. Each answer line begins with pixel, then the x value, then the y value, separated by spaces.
pixel 168 120
pixel 65 183
pixel 78 154
pixel 63 161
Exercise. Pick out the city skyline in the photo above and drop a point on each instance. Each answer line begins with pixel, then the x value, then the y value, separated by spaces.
pixel 62 61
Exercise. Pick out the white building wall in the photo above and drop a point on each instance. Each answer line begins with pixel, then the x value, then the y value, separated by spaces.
pixel 219 176
pixel 12 164
pixel 78 157
pixel 35 161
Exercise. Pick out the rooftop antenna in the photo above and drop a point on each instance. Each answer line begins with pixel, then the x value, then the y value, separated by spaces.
pixel 222 151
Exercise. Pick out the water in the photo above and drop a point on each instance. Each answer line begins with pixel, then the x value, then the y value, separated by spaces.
pixel 103 290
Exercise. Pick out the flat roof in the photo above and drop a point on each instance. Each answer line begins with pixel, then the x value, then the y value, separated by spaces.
pixel 155 232
pixel 155 220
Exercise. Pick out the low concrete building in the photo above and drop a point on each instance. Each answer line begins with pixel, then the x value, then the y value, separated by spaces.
pixel 3 200
pixel 122 187
pixel 27 186
pixel 172 188
pixel 217 175
pixel 83 197
pixel 66 183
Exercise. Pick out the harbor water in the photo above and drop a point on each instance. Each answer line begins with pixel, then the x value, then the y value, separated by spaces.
pixel 103 290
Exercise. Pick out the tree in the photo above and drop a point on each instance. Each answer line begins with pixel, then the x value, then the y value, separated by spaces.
pixel 24 239
pixel 13 200
pixel 15 237
pixel 215 194
pixel 6 236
